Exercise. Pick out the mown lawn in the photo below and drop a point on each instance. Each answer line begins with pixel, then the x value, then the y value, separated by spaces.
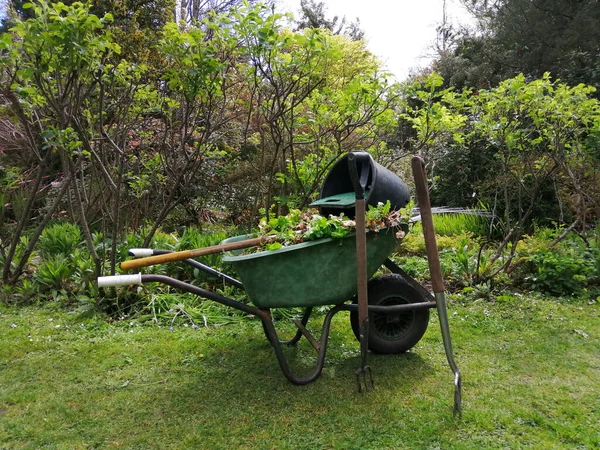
pixel 531 371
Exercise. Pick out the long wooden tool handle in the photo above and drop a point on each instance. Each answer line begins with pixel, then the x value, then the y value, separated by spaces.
pixel 186 254
pixel 433 258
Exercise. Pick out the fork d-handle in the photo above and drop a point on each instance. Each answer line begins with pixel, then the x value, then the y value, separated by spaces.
pixel 359 183
pixel 418 168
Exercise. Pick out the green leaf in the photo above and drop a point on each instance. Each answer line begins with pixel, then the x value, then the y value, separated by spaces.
pixel 273 246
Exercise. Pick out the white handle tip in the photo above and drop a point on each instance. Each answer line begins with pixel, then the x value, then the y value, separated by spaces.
pixel 141 252
pixel 120 280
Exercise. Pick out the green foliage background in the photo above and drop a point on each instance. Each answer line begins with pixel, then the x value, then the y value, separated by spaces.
pixel 194 125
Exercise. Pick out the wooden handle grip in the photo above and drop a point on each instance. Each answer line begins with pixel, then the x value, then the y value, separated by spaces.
pixel 186 254
pixel 433 258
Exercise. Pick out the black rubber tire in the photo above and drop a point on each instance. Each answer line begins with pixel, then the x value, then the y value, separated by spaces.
pixel 393 333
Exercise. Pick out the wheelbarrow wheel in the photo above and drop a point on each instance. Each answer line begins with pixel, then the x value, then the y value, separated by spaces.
pixel 397 332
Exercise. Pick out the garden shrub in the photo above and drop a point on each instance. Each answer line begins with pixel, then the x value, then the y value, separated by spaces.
pixel 413 244
pixel 416 266
pixel 54 272
pixel 560 271
pixel 61 238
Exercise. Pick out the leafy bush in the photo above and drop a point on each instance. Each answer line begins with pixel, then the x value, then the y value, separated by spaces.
pixel 54 271
pixel 560 271
pixel 84 276
pixel 464 260
pixel 416 266
pixel 570 268
pixel 413 244
pixel 59 239
pixel 449 228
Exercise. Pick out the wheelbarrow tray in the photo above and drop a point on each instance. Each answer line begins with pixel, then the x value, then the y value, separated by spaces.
pixel 313 273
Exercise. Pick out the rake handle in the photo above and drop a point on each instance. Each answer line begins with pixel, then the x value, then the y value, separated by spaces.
pixel 187 254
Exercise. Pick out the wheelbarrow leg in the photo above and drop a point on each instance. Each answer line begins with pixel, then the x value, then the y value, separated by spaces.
pixel 418 167
pixel 271 333
pixel 303 322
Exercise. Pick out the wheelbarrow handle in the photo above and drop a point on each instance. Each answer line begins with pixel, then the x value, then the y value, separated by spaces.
pixel 359 177
pixel 418 168
pixel 119 280
pixel 187 254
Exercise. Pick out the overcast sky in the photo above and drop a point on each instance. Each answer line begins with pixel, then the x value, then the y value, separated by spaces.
pixel 400 32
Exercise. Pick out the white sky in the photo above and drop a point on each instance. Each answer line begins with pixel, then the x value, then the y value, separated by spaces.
pixel 400 32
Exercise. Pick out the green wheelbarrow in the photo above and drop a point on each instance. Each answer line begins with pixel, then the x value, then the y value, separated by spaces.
pixel 334 272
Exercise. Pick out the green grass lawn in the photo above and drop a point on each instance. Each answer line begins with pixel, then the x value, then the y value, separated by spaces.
pixel 531 374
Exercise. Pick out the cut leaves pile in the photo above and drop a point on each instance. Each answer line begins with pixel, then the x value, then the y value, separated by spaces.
pixel 301 226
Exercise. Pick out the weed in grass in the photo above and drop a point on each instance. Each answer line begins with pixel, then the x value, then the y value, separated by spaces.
pixel 176 308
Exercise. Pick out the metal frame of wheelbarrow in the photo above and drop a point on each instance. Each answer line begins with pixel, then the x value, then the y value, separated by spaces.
pixel 437 300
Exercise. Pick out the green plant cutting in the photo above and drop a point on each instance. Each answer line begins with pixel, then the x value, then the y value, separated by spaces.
pixel 300 226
